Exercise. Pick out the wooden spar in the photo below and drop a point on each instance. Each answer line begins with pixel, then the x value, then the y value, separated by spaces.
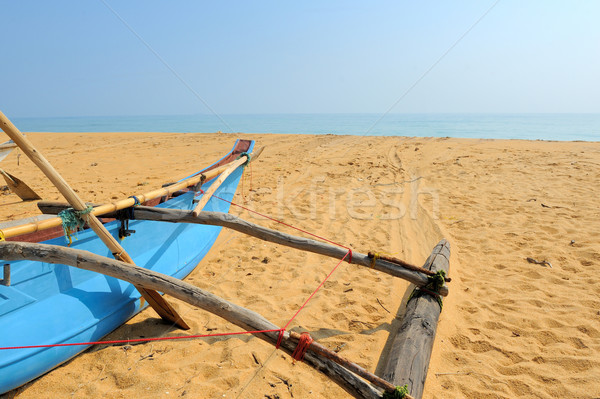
pixel 409 356
pixel 158 303
pixel 235 223
pixel 247 158
pixel 405 264
pixel 116 206
pixel 217 183
pixel 355 368
pixel 150 280
pixel 18 187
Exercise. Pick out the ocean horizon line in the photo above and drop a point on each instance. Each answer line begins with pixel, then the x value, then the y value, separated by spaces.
pixel 529 126
pixel 208 114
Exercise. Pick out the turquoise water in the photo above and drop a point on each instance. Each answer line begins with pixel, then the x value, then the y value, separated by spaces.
pixel 493 126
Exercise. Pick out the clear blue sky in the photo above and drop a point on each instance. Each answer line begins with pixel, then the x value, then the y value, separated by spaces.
pixel 76 58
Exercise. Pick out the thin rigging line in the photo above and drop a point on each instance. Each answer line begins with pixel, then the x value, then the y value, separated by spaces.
pixel 167 65
pixel 433 65
pixel 262 366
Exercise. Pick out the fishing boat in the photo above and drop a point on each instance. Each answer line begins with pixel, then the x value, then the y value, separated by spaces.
pixel 58 299
pixel 48 304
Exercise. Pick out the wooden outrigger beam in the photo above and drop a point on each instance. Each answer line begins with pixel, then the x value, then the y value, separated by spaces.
pixel 408 359
pixel 235 223
pixel 244 318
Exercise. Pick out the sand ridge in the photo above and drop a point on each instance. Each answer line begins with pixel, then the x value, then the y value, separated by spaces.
pixel 509 328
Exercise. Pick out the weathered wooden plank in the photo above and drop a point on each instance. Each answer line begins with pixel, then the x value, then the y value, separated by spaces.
pixel 408 360
pixel 150 280
pixel 235 223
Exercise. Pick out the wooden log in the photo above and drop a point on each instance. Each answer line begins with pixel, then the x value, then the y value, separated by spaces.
pixel 158 303
pixel 118 205
pixel 222 177
pixel 408 360
pixel 150 280
pixel 235 223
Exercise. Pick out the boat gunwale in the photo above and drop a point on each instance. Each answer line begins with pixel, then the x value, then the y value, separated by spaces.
pixel 49 233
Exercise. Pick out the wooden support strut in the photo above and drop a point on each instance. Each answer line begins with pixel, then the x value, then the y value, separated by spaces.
pixel 404 264
pixel 217 183
pixel 243 160
pixel 158 303
pixel 244 318
pixel 408 359
pixel 235 223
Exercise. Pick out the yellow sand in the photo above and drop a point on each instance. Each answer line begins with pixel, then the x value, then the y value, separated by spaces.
pixel 509 328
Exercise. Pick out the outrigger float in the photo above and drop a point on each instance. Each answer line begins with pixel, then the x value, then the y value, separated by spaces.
pixel 53 297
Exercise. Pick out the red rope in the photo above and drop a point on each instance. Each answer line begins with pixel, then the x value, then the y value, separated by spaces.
pixel 315 291
pixel 279 338
pixel 126 341
pixel 303 344
pixel 285 224
pixel 251 173
pixel 243 179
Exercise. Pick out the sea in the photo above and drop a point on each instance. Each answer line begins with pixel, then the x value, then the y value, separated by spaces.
pixel 559 127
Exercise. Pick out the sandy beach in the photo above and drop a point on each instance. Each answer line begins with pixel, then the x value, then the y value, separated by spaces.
pixel 509 328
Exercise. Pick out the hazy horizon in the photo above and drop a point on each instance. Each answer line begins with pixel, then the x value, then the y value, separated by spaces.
pixel 309 113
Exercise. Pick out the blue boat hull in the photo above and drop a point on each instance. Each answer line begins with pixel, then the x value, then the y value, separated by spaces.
pixel 54 304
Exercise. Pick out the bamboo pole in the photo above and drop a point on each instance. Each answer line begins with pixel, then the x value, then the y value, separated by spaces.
pixel 158 303
pixel 242 317
pixel 118 205
pixel 223 176
pixel 415 276
pixel 217 183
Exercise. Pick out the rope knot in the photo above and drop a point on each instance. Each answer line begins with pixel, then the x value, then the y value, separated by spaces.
pixel 280 338
pixel 73 220
pixel 245 154
pixel 136 201
pixel 399 393
pixel 434 283
pixel 303 344
pixel 374 256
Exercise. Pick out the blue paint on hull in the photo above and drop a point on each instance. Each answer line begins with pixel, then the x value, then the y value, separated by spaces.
pixel 54 304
